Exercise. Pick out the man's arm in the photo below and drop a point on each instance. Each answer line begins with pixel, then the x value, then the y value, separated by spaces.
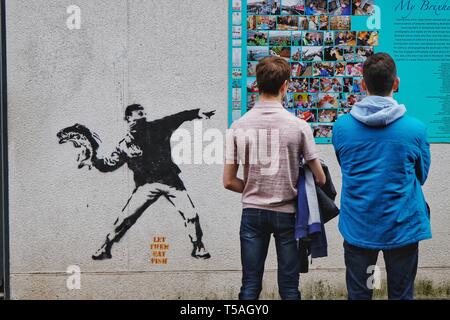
pixel 230 180
pixel 423 162
pixel 310 154
pixel 112 162
pixel 177 119
pixel 316 168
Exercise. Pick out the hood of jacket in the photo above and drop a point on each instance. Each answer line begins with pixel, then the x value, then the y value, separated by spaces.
pixel 377 111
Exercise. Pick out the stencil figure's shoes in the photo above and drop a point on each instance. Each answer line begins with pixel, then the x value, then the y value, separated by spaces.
pixel 102 254
pixel 199 252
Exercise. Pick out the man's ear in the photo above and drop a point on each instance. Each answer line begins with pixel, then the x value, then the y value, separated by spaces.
pixel 396 84
pixel 363 85
pixel 284 87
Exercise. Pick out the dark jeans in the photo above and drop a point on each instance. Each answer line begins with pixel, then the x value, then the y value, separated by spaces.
pixel 256 227
pixel 401 268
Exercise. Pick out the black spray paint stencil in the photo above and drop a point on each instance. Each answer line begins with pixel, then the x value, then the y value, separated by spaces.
pixel 147 152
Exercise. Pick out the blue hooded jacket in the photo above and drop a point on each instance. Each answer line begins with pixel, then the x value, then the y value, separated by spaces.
pixel 385 160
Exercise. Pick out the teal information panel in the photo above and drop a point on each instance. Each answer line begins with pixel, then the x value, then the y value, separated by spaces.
pixel 326 43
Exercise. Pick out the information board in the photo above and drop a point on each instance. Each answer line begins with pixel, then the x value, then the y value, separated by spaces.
pixel 326 43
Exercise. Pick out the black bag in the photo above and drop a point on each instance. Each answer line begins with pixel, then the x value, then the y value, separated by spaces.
pixel 326 196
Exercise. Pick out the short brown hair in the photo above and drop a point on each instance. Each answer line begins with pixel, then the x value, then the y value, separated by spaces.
pixel 380 73
pixel 271 73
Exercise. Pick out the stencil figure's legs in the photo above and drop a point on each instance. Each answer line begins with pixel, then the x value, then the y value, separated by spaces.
pixel 140 200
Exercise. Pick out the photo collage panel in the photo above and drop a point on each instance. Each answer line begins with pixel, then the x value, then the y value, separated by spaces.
pixel 325 55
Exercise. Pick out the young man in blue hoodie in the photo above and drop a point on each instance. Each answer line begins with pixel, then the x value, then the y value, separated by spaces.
pixel 384 158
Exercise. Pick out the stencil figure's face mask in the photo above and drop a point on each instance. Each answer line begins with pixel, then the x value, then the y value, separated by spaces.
pixel 136 116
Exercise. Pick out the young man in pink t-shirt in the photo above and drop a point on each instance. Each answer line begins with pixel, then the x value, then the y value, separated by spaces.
pixel 270 142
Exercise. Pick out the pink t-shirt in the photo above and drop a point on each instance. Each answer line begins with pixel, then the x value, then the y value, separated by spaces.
pixel 271 143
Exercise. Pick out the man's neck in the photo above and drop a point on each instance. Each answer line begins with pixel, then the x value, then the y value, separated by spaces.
pixel 267 98
pixel 391 95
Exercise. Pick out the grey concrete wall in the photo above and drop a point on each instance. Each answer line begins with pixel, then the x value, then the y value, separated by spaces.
pixel 169 56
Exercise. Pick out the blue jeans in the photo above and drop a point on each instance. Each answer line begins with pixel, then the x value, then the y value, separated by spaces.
pixel 401 268
pixel 256 227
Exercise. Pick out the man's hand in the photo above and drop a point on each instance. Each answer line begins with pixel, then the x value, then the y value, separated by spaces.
pixel 209 114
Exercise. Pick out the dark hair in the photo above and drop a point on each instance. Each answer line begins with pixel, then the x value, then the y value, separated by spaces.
pixel 380 73
pixel 132 107
pixel 271 73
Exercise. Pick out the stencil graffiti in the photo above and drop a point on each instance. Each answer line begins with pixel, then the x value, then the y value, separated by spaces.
pixel 147 152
